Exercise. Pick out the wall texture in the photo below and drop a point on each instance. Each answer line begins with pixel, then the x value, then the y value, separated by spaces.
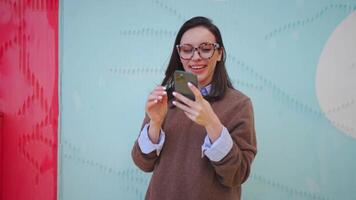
pixel 295 59
pixel 28 99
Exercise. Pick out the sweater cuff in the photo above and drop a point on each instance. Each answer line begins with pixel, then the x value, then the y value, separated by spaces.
pixel 145 143
pixel 220 148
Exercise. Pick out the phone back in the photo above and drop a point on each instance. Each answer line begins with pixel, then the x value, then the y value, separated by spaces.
pixel 181 79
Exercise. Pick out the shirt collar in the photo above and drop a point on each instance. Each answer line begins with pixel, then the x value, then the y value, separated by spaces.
pixel 205 90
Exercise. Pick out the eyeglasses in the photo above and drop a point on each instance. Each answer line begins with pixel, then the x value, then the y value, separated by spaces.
pixel 205 50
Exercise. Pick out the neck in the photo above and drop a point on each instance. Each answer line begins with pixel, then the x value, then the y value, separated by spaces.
pixel 200 86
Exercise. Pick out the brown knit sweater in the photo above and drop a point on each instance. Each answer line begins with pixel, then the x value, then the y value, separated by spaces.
pixel 180 173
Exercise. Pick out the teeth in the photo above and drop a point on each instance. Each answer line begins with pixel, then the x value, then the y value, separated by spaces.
pixel 197 67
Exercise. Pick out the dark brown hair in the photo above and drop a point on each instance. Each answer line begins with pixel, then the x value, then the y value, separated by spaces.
pixel 220 81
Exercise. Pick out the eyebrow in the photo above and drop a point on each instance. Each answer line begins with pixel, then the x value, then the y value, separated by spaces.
pixel 199 44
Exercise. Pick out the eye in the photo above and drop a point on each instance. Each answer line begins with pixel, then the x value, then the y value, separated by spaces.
pixel 206 47
pixel 186 48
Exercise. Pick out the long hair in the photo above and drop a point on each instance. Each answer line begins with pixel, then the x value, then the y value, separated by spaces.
pixel 220 81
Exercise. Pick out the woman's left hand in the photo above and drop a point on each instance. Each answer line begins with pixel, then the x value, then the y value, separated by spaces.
pixel 199 111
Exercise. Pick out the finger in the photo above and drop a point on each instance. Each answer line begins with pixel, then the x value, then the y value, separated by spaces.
pixel 183 99
pixel 154 97
pixel 150 104
pixel 157 95
pixel 165 98
pixel 160 88
pixel 184 108
pixel 195 91
pixel 159 92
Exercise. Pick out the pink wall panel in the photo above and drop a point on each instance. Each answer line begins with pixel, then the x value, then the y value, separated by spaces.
pixel 28 99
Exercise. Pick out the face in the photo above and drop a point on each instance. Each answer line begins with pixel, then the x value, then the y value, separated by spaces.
pixel 203 68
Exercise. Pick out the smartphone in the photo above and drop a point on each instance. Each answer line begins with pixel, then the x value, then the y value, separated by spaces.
pixel 181 79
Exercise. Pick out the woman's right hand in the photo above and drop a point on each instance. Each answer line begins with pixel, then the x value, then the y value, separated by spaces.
pixel 156 105
pixel 156 109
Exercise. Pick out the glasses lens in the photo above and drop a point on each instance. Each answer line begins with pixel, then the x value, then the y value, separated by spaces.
pixel 186 51
pixel 206 50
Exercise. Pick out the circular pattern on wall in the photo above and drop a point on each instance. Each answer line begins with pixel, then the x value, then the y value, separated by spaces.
pixel 336 77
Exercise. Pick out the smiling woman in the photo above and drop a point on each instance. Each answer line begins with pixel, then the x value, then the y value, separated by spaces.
pixel 201 149
pixel 202 63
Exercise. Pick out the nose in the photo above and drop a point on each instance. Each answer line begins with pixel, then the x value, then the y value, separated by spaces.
pixel 196 55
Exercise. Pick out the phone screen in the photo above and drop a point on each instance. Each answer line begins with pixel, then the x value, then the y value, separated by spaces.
pixel 181 79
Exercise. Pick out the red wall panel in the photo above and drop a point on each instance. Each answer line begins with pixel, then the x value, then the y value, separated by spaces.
pixel 28 99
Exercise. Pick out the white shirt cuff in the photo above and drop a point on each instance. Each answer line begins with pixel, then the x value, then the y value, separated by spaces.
pixel 220 148
pixel 146 144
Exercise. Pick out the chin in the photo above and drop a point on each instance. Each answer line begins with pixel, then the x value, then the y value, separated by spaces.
pixel 201 80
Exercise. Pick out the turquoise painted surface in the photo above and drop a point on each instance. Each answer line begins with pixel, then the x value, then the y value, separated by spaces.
pixel 114 52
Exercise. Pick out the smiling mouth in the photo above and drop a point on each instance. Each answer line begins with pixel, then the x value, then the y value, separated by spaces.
pixel 198 67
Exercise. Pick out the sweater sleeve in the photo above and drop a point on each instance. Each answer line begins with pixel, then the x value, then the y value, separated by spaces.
pixel 145 162
pixel 234 168
pixel 145 143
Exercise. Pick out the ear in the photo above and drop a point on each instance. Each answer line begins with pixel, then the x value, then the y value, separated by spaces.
pixel 221 52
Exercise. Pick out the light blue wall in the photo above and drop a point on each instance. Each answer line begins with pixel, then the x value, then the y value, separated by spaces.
pixel 112 53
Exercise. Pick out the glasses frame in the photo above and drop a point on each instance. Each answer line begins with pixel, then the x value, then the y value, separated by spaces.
pixel 216 46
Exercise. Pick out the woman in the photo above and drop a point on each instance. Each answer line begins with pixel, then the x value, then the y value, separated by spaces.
pixel 201 149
